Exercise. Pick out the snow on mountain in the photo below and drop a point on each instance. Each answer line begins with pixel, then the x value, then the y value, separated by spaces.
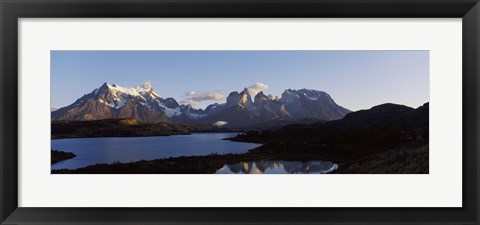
pixel 240 111
pixel 115 101
pixel 170 111
pixel 145 105
pixel 146 96
pixel 146 90
pixel 123 90
pixel 307 103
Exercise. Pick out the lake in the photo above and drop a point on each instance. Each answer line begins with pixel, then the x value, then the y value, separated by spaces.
pixel 279 167
pixel 92 151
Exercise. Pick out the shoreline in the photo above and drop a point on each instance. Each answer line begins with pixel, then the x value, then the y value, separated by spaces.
pixel 160 135
pixel 386 162
pixel 207 164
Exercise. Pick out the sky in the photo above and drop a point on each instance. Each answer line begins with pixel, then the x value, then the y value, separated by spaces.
pixel 354 79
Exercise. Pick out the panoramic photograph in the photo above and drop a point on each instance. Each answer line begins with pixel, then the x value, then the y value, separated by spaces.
pixel 239 112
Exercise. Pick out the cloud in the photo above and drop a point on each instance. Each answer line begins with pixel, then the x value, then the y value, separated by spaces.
pixel 193 97
pixel 257 87
pixel 220 123
pixel 190 93
pixel 188 102
pixel 204 96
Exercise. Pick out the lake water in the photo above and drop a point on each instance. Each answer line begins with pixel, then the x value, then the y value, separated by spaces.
pixel 91 151
pixel 279 167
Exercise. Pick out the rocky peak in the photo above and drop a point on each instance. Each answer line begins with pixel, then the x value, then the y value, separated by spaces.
pixel 102 89
pixel 104 85
pixel 146 90
pixel 212 107
pixel 245 97
pixel 314 94
pixel 145 87
pixel 289 96
pixel 170 103
pixel 239 99
pixel 142 103
pixel 261 97
pixel 233 97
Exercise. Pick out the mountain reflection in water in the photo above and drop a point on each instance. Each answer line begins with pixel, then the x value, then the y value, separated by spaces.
pixel 278 167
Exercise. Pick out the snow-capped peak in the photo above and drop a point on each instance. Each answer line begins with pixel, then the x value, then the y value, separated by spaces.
pixel 123 90
pixel 147 90
pixel 313 94
pixel 145 87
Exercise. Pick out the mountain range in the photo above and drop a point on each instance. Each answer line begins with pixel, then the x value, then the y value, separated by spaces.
pixel 111 101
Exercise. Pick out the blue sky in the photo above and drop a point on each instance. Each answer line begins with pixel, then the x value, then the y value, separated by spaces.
pixel 355 79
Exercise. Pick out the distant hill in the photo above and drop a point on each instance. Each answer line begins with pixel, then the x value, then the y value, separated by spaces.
pixel 122 128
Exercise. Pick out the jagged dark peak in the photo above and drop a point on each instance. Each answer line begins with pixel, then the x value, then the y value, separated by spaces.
pixel 233 96
pixel 190 108
pixel 170 99
pixel 186 106
pixel 196 111
pixel 260 97
pixel 103 88
pixel 169 102
pixel 212 107
pixel 243 98
pixel 290 93
pixel 234 93
pixel 104 85
pixel 290 96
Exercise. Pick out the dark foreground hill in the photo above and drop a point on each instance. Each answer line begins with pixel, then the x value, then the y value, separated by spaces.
pixel 359 134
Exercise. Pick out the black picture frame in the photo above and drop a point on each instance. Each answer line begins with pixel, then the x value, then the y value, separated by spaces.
pixel 12 10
